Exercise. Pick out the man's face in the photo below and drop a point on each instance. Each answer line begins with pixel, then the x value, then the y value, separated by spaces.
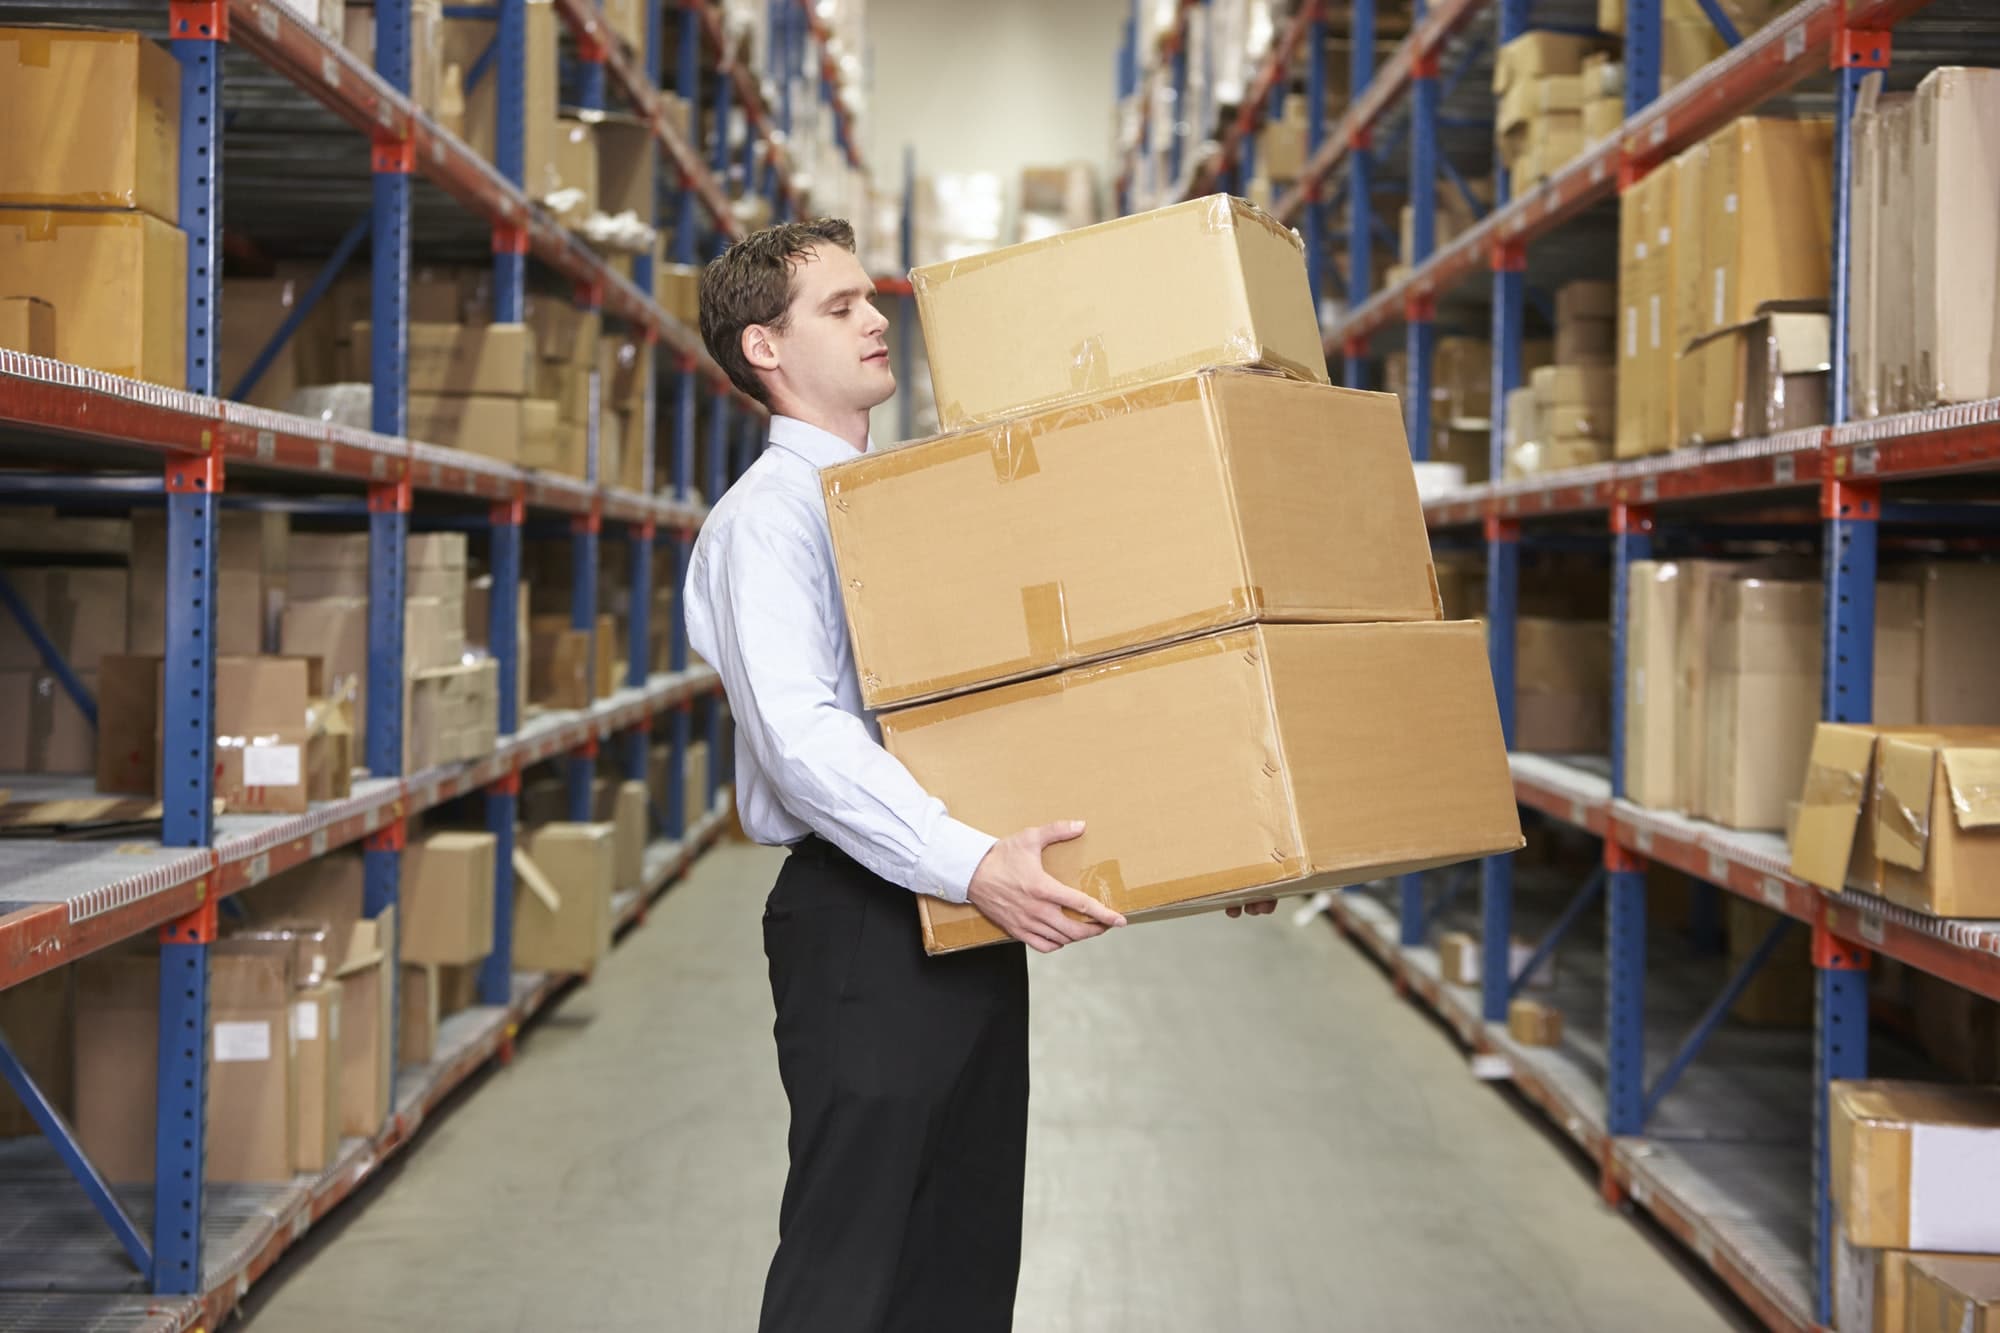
pixel 833 356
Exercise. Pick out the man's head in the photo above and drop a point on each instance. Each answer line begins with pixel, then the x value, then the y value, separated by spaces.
pixel 789 313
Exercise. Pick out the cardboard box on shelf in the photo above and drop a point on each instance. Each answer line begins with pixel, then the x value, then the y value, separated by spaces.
pixel 1937 823
pixel 1561 700
pixel 1867 274
pixel 335 630
pixel 608 671
pixel 1458 958
pixel 1655 593
pixel 486 359
pixel 1957 1030
pixel 249 1130
pixel 38 1017
pixel 1084 314
pixel 1896 239
pixel 1535 56
pixel 1956 352
pixel 1750 380
pixel 1871 1289
pixel 116 148
pixel 1533 1023
pixel 1189 818
pixel 1952 1293
pixel 251 1079
pixel 1686 46
pixel 119 280
pixel 368 1025
pixel 497 427
pixel 27 324
pixel 559 671
pixel 325 564
pixel 1767 222
pixel 694 784
pixel 1603 117
pixel 464 41
pixel 258 308
pixel 316 1061
pixel 1221 460
pixel 452 714
pixel 677 287
pixel 1960 624
pixel 1909 1161
pixel 578 862
pixel 252 576
pixel 625 173
pixel 279 742
pixel 447 897
pixel 631 822
pixel 1763 679
pixel 417 1014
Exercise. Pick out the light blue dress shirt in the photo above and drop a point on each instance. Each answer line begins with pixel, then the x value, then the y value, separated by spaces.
pixel 763 608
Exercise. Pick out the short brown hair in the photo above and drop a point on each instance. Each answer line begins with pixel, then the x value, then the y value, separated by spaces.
pixel 751 283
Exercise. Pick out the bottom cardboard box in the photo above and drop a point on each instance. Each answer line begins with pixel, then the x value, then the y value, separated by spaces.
pixel 1255 763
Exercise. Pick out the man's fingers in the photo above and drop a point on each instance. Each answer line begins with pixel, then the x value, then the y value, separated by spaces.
pixel 1036 940
pixel 1072 929
pixel 1235 912
pixel 1060 831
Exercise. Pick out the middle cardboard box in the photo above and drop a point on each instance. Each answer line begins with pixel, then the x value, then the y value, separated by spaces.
pixel 1053 539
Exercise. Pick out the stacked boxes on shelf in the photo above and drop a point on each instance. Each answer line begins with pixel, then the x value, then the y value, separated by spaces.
pixel 1290 627
pixel 90 198
pixel 1538 78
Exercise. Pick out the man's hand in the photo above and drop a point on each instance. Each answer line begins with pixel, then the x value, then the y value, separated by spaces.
pixel 1024 900
pixel 1262 907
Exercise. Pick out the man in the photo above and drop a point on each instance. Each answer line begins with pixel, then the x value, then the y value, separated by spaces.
pixel 907 1075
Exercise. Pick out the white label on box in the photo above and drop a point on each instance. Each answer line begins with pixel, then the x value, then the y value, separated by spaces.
pixel 242 1043
pixel 1631 332
pixel 305 1021
pixel 1729 203
pixel 1653 309
pixel 271 766
pixel 1721 281
pixel 1954 1178
pixel 1666 237
pixel 1640 252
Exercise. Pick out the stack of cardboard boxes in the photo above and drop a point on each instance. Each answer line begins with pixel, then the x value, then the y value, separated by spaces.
pixel 1723 266
pixel 1328 727
pixel 1603 97
pixel 1538 78
pixel 1688 38
pixel 1723 675
pixel 1917 1234
pixel 1566 414
pixel 1923 266
pixel 93 263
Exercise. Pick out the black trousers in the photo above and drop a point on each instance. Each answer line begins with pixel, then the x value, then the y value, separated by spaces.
pixel 908 1082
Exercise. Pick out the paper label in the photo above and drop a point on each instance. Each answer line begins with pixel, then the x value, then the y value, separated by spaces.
pixel 1721 281
pixel 242 1043
pixel 1653 310
pixel 1729 203
pixel 1954 1177
pixel 1631 332
pixel 271 766
pixel 305 1021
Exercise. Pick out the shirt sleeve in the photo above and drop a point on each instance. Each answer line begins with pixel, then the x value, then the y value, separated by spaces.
pixel 757 617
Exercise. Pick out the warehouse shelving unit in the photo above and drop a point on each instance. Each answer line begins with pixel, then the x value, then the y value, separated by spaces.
pixel 181 1254
pixel 1729 1214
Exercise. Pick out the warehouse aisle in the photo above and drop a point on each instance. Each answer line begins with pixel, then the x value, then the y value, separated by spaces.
pixel 1236 1126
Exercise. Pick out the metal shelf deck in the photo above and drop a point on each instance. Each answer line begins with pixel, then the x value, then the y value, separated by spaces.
pixel 57 1261
pixel 67 899
pixel 1730 1203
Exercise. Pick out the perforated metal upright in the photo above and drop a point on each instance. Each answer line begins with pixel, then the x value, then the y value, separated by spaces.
pixel 194 496
pixel 1421 340
pixel 502 797
pixel 1315 139
pixel 1360 206
pixel 1625 873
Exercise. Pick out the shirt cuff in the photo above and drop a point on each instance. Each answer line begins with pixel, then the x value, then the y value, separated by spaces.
pixel 955 851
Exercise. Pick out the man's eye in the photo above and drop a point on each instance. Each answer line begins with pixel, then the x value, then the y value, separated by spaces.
pixel 840 313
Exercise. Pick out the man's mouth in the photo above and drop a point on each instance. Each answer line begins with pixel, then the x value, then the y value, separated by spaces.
pixel 882 355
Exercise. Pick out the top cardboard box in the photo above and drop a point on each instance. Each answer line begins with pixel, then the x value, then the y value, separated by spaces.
pixel 1240 497
pixel 1211 282
pixel 93 121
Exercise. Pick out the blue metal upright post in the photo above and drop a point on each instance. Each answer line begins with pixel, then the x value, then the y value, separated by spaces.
pixel 590 57
pixel 510 243
pixel 1643 34
pixel 496 973
pixel 1849 511
pixel 1496 873
pixel 1315 139
pixel 187 743
pixel 585 531
pixel 1422 338
pixel 1360 207
pixel 382 851
pixel 393 161
pixel 1625 888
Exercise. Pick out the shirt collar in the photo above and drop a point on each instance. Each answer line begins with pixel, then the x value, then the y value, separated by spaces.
pixel 817 447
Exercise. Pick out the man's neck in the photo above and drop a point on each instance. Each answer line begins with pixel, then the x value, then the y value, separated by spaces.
pixel 849 426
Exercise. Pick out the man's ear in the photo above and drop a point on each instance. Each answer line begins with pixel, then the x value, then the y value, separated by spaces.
pixel 759 349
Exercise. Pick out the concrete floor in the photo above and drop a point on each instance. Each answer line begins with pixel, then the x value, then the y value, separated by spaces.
pixel 1236 1126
